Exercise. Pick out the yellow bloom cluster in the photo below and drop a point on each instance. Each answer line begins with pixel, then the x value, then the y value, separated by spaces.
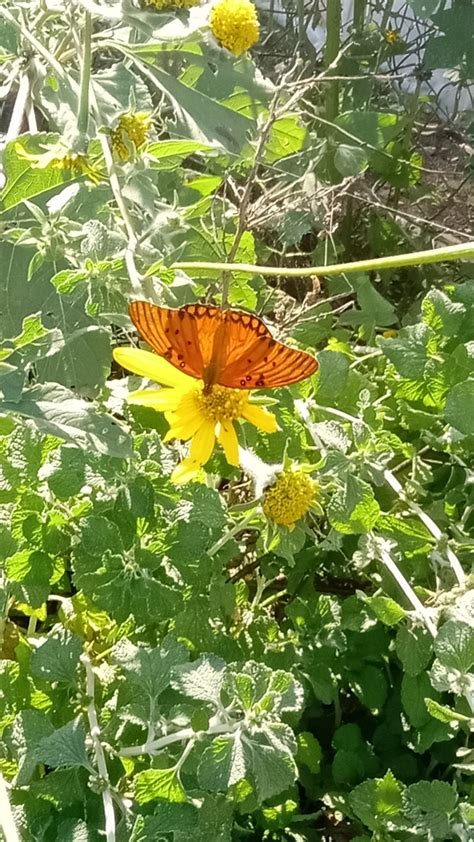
pixel 171 4
pixel 392 36
pixel 134 128
pixel 289 498
pixel 76 164
pixel 234 24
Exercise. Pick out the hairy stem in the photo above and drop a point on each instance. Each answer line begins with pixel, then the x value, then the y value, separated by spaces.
pixel 414 258
pixel 404 585
pixel 107 799
pixel 83 115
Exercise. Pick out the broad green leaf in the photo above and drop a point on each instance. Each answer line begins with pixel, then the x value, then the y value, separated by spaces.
pixel 370 686
pixel 287 136
pixel 57 658
pixel 159 784
pixel 428 804
pixel 65 747
pixel 350 160
pixel 28 730
pixel 206 120
pixel 414 647
pixel 149 670
pixel 459 410
pixel 354 509
pixel 414 691
pixel 376 801
pixel 58 412
pixel 24 180
pixel 386 610
pixel 454 645
pixel 203 679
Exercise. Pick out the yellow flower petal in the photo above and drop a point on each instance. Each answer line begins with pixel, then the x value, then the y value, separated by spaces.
pixel 228 439
pixel 260 417
pixel 187 470
pixel 152 366
pixel 183 431
pixel 163 400
pixel 203 442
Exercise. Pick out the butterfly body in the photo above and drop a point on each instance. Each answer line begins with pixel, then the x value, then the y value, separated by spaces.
pixel 226 347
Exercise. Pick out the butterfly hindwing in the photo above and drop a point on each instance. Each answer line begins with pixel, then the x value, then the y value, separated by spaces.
pixel 258 361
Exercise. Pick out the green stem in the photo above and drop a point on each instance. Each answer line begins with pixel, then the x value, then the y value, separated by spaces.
pixel 359 14
pixel 333 45
pixel 395 261
pixel 83 115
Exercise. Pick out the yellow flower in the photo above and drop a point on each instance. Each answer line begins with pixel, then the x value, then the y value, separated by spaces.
pixel 392 36
pixel 390 334
pixel 60 157
pixel 192 415
pixel 289 498
pixel 131 129
pixel 234 24
pixel 77 164
pixel 171 4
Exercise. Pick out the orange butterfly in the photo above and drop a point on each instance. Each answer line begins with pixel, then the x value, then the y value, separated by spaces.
pixel 226 347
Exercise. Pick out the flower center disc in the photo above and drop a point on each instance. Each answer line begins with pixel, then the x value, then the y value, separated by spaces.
pixel 222 404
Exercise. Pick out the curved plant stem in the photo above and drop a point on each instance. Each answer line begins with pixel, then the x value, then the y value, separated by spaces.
pixel 404 585
pixel 413 258
pixel 7 822
pixel 107 799
pixel 428 522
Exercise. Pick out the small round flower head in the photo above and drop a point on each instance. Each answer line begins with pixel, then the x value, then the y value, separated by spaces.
pixel 289 498
pixel 234 24
pixel 392 36
pixel 168 5
pixel 131 129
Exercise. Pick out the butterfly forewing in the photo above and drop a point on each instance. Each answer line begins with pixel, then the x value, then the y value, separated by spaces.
pixel 228 347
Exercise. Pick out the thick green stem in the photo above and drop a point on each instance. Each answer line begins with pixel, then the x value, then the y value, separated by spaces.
pixel 83 115
pixel 395 261
pixel 359 14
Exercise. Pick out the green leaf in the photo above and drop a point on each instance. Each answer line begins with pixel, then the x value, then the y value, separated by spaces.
pixel 446 714
pixel 287 136
pixel 206 120
pixel 309 752
pixel 65 747
pixel 459 409
pixel 149 670
pixel 154 784
pixel 23 180
pixel 30 572
pixel 376 801
pixel 169 817
pixel 57 658
pixel 333 373
pixel 428 804
pixel 29 728
pixel 454 645
pixel 203 679
pixel 414 691
pixel 441 314
pixel 414 647
pixel 58 412
pixel 411 350
pixel 354 509
pixel 370 686
pixel 386 610
pixel 82 362
pixel 350 160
